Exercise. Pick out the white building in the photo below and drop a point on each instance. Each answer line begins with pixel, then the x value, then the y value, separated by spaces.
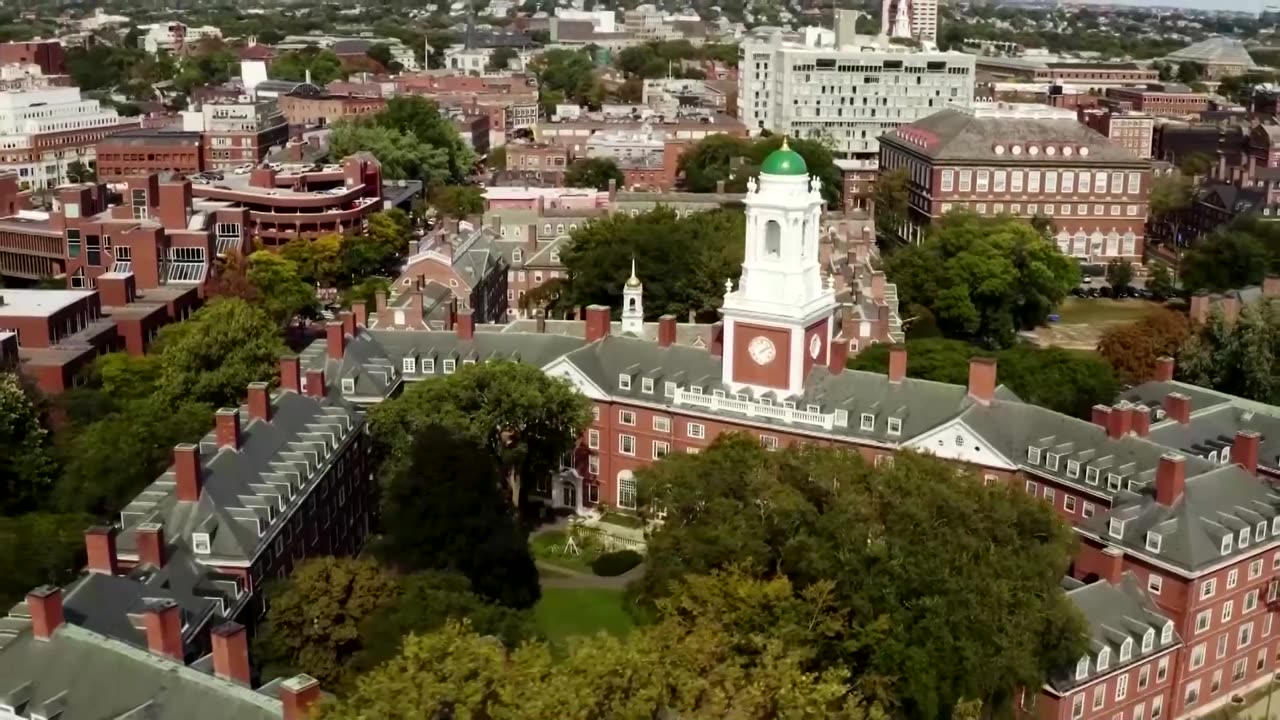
pixel 602 20
pixel 461 57
pixel 173 35
pixel 850 93
pixel 45 129
pixel 910 18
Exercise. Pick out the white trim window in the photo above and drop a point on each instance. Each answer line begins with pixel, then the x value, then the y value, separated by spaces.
pixel 627 491
pixel 627 445
pixel 697 431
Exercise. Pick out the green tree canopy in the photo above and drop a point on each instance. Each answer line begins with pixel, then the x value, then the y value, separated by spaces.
pixel 26 465
pixel 825 516
pixel 525 419
pixel 450 510
pixel 324 66
pixel 892 198
pixel 214 355
pixel 1239 358
pixel 683 262
pixel 984 279
pixel 734 160
pixel 40 549
pixel 567 74
pixel 593 173
pixel 1067 381
pixel 401 154
pixel 1242 253
pixel 419 117
pixel 1119 274
pixel 458 201
pixel 1170 194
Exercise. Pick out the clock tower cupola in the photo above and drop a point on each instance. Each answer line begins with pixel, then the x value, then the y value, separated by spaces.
pixel 778 321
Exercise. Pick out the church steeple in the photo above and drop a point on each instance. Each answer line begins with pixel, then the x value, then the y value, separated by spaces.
pixel 633 304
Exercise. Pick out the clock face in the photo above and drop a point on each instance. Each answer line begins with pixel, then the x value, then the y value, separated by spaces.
pixel 761 350
pixel 815 346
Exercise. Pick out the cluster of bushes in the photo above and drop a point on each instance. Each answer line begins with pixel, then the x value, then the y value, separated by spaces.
pixel 616 563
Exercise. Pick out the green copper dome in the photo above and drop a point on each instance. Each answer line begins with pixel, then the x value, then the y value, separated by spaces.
pixel 784 161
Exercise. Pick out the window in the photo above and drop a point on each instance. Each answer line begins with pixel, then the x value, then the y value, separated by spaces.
pixel 1157 705
pixel 1237 670
pixel 695 430
pixel 984 180
pixel 661 449
pixel 1202 620
pixel 1033 455
pixel 1222 646
pixel 1099 183
pixel 1087 511
pixel 1077 707
pixel 1032 488
pixel 200 542
pixel 624 381
pixel 1052 461
pixel 409 365
pixel 1049 495
pixel 348 386
pixel 1122 686
pixel 1099 696
pixel 948 179
pixel 1155 584
pixel 646 386
pixel 1091 475
pixel 1233 578
pixel 842 418
pixel 1104 659
pixel 627 444
pixel 1082 667
pixel 593 439
pixel 429 365
pixel 1139 711
pixel 1069 503
pixel 966 180
pixel 1250 601
pixel 1193 693
pixel 669 389
pixel 867 422
pixel 1262 659
pixel 626 417
pixel 593 465
pixel 1197 656
pixel 662 424
pixel 768 442
pixel 895 426
pixel 1166 634
pixel 1228 608
pixel 1115 528
pixel 1255 569
pixel 1153 541
pixel 1207 588
pixel 73 243
pixel 1226 544
pixel 1126 650
pixel 1073 469
pixel 1135 181
pixel 1144 677
pixel 1162 669
pixel 595 413
pixel 449 366
pixel 1246 635
pixel 1068 181
pixel 627 491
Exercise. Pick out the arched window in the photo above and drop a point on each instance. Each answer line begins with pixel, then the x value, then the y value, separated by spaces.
pixel 516 255
pixel 772 239
pixel 1104 659
pixel 1082 668
pixel 1126 650
pixel 631 303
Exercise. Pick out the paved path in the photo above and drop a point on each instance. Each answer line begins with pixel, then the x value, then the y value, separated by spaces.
pixel 572 579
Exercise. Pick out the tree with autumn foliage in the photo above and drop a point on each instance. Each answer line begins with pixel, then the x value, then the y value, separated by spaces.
pixel 1133 348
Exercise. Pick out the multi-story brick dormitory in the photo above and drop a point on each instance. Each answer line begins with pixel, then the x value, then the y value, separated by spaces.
pixel 1162 460
pixel 54 667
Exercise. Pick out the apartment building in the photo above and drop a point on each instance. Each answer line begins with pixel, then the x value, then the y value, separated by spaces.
pixel 144 151
pixel 1158 100
pixel 850 93
pixel 1026 161
pixel 44 129
pixel 1132 131
pixel 239 132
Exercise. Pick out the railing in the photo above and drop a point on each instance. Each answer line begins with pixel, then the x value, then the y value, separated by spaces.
pixel 755 409
pixel 611 542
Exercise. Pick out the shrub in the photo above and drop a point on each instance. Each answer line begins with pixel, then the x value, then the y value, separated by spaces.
pixel 615 563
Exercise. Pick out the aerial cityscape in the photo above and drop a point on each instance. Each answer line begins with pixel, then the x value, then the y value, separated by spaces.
pixel 867 360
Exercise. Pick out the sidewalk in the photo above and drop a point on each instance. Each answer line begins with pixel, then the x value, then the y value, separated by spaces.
pixel 572 579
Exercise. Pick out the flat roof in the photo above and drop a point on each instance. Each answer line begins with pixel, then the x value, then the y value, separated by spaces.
pixel 38 303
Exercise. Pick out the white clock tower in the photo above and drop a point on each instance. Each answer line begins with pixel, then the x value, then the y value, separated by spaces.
pixel 778 323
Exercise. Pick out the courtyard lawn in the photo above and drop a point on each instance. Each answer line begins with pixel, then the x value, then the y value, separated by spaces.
pixel 568 612
pixel 548 548
pixel 1076 310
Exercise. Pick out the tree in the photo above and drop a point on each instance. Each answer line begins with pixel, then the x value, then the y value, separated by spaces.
pixel 401 154
pixel 214 355
pixel 366 291
pixel 566 74
pixel 317 262
pixel 381 54
pixel 324 67
pixel 1238 358
pixel 892 195
pixel 1225 260
pixel 232 280
pixel 1195 164
pixel 26 466
pixel 593 173
pixel 313 618
pixel 1133 348
pixel 458 201
pixel 1065 381
pixel 1170 194
pixel 420 118
pixel 78 172
pixel 283 294
pixel 451 510
pixel 502 57
pixel 1189 72
pixel 734 160
pixel 40 549
pixel 984 279
pixel 824 515
pixel 1159 281
pixel 127 377
pixel 523 418
pixel 683 262
pixel 1119 274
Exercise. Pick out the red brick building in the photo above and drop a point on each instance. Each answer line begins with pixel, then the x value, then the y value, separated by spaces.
pixel 1158 100
pixel 48 54
pixel 145 151
pixel 1132 131
pixel 1009 161
pixel 547 162
pixel 322 110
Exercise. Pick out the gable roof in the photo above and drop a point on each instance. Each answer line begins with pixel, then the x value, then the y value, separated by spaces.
pixel 958 135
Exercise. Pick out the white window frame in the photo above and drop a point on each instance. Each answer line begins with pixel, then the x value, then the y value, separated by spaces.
pixel 624 381
pixel 622 445
pixel 697 431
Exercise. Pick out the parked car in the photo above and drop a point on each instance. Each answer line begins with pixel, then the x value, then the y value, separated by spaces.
pixel 243 169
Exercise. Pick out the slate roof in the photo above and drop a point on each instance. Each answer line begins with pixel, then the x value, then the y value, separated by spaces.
pixel 1225 502
pixel 242 496
pixel 80 675
pixel 1215 419
pixel 962 136
pixel 1215 51
pixel 1114 614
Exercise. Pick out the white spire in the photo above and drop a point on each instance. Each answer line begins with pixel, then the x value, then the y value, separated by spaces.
pixel 633 303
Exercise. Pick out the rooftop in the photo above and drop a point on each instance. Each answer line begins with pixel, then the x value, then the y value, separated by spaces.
pixel 38 303
pixel 1215 51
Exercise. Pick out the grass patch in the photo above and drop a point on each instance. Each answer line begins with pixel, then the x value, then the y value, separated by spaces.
pixel 564 613
pixel 1076 310
pixel 548 548
pixel 621 520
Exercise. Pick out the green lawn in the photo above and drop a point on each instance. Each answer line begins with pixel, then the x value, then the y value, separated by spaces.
pixel 548 548
pixel 1103 310
pixel 564 613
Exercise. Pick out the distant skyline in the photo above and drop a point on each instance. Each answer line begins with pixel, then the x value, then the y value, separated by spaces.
pixel 1246 6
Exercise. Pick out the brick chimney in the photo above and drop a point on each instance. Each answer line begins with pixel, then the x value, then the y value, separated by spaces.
pixel 315 383
pixel 597 322
pixel 299 694
pixel 100 546
pixel 1246 448
pixel 227 428
pixel 348 323
pixel 839 355
pixel 1112 564
pixel 666 331
pixel 1121 421
pixel 231 652
pixel 897 364
pixel 335 339
pixel 380 300
pixel 466 325
pixel 717 339
pixel 149 538
pixel 187 468
pixel 1164 369
pixel 45 605
pixel 1100 415
pixel 1141 420
pixel 290 373
pixel 360 311
pixel 163 622
pixel 1171 479
pixel 260 401
pixel 1178 407
pixel 982 379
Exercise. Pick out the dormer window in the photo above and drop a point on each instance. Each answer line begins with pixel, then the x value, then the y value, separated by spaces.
pixel 450 365
pixel 1226 544
pixel 429 365
pixel 1225 455
pixel 695 389
pixel 1082 668
pixel 868 422
pixel 1126 650
pixel 348 386
pixel 1243 539
pixel 1148 640
pixel 1115 528
pixel 1104 659
pixel 409 365
pixel 809 408
pixel 624 381
pixel 1073 469
pixel 1113 482
pixel 895 426
pixel 669 389
pixel 1153 542
pixel 1275 525
pixel 842 420
pixel 517 255
pixel 200 543
pixel 1260 531
pixel 1053 461
pixel 1091 475
pixel 1033 455
pixel 555 256
pixel 1166 633
pixel 767 402
pixel 646 386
